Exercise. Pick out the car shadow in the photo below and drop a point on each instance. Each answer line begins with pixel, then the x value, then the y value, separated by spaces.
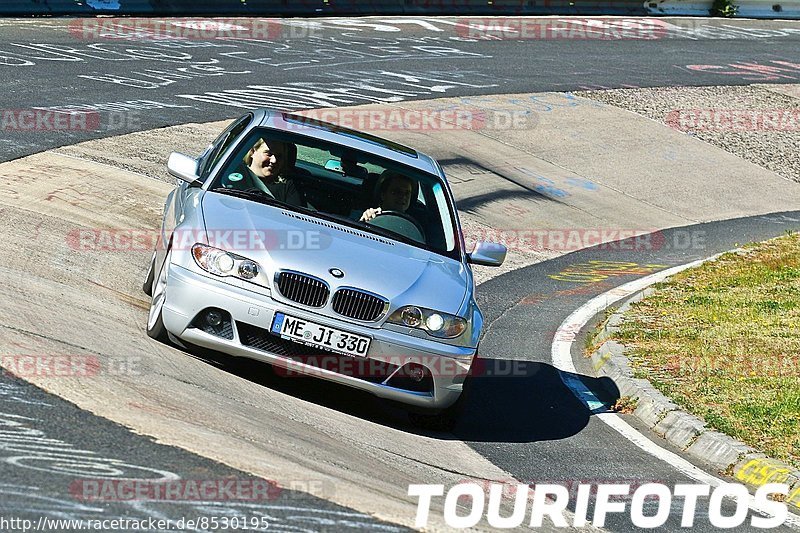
pixel 524 186
pixel 503 400
pixel 524 401
pixel 345 399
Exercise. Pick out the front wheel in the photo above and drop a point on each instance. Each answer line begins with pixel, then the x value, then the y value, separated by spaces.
pixel 155 323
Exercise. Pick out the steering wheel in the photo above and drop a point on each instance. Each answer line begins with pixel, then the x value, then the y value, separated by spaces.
pixel 406 217
pixel 402 215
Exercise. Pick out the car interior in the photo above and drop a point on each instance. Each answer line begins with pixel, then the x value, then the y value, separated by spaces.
pixel 345 183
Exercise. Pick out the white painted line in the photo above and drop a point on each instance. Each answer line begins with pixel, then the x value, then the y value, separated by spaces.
pixel 561 354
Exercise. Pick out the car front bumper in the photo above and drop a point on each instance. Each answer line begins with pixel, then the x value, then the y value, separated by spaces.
pixel 189 294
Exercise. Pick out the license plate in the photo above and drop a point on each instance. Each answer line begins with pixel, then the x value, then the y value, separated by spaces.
pixel 319 336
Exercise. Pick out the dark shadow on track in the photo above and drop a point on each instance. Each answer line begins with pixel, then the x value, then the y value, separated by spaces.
pixel 527 190
pixel 530 404
pixel 471 203
pixel 347 400
pixel 503 400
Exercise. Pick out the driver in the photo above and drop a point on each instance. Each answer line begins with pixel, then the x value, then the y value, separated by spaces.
pixel 267 163
pixel 395 195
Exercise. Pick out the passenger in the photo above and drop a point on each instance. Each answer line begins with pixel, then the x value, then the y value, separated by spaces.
pixel 267 165
pixel 396 191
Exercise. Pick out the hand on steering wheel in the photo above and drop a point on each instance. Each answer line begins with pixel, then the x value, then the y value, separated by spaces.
pixel 369 214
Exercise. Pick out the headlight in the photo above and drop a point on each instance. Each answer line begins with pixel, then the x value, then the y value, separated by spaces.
pixel 248 269
pixel 435 323
pixel 221 263
pixel 410 316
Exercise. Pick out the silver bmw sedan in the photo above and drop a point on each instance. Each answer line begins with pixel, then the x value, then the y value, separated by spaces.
pixel 323 251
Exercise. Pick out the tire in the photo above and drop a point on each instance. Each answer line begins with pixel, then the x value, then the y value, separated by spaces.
pixel 155 322
pixel 147 286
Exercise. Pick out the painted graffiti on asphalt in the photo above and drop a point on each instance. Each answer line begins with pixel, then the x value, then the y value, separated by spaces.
pixel 367 87
pixel 24 445
pixel 595 271
pixel 773 70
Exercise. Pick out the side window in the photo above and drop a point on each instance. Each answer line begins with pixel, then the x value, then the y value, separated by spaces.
pixel 222 143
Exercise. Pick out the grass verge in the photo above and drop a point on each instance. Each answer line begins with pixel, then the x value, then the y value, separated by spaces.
pixel 723 341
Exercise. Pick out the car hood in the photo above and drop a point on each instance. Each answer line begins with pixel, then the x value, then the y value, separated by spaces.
pixel 403 274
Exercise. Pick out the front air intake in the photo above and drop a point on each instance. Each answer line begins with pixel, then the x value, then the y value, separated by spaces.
pixel 301 288
pixel 359 305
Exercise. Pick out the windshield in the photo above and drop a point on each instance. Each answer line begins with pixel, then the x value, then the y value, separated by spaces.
pixel 349 186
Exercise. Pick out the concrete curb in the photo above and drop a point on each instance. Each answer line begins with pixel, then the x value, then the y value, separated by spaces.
pixel 680 428
pixel 777 9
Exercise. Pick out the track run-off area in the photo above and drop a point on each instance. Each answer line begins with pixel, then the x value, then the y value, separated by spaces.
pixel 545 168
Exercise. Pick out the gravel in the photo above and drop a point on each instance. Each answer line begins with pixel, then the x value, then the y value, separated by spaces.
pixel 705 112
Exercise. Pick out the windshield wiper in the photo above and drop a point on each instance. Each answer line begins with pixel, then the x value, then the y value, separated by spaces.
pixel 252 194
pixel 364 226
pixel 389 234
pixel 340 219
pixel 369 228
pixel 258 195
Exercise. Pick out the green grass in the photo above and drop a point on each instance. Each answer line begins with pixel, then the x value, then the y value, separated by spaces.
pixel 723 341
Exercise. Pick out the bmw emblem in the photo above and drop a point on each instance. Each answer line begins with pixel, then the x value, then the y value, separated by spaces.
pixel 336 273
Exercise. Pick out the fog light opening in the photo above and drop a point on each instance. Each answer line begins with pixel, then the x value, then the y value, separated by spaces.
pixel 416 373
pixel 213 317
pixel 215 322
pixel 413 377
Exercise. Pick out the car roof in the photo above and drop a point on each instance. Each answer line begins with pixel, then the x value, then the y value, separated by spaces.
pixel 346 137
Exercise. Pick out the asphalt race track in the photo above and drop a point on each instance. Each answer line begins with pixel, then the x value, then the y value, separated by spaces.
pixel 50 63
pixel 529 427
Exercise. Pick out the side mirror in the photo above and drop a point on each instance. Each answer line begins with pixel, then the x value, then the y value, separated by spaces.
pixel 487 254
pixel 184 168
